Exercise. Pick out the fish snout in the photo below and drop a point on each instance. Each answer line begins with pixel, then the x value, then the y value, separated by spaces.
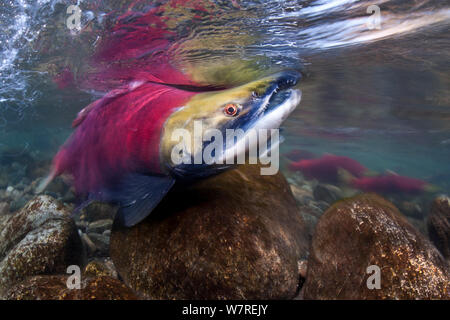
pixel 287 79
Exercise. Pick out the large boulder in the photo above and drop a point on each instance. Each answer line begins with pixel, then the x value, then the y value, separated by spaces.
pixel 238 235
pixel 365 231
pixel 439 225
pixel 40 239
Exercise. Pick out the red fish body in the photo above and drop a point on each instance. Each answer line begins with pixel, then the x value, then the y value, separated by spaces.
pixel 118 134
pixel 390 184
pixel 326 168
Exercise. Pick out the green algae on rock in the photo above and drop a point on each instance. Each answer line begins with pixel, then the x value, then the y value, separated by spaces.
pixel 367 230
pixel 40 239
pixel 238 235
pixel 439 225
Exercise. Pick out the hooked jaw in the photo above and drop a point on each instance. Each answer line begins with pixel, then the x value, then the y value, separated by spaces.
pixel 279 100
pixel 265 104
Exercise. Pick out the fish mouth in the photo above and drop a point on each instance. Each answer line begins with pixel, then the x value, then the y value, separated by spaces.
pixel 279 100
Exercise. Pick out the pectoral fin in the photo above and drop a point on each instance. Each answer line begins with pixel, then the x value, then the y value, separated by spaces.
pixel 138 195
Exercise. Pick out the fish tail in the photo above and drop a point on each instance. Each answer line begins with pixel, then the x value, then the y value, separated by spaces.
pixel 56 170
pixel 46 181
pixel 430 188
pixel 345 177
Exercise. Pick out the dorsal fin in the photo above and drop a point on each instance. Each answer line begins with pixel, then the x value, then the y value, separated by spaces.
pixel 104 100
pixel 83 113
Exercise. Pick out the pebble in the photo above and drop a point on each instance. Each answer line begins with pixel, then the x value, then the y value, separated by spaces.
pixel 4 208
pixel 99 226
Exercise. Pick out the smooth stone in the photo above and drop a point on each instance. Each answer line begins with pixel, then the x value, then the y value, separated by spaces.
pixel 54 287
pixel 101 243
pixel 58 186
pixel 238 235
pixel 100 211
pixel 4 208
pixel 3 180
pixel 69 197
pixel 420 225
pixel 302 195
pixel 99 226
pixel 411 209
pixel 367 230
pixel 40 239
pixel 322 205
pixel 439 225
pixel 82 225
pixel 88 243
pixel 327 193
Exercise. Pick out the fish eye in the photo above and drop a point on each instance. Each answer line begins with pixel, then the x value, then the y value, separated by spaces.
pixel 231 109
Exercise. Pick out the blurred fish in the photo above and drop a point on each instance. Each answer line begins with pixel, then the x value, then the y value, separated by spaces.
pixel 328 167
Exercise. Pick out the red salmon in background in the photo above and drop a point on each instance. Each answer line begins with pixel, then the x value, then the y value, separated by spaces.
pixel 390 184
pixel 327 167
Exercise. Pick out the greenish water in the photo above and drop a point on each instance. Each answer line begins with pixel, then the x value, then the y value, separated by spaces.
pixel 378 96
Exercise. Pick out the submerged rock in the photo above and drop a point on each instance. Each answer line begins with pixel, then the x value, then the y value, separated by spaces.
pixel 101 243
pixel 100 226
pixel 365 231
pixel 238 235
pixel 4 208
pixel 40 239
pixel 439 225
pixel 55 288
pixel 327 193
pixel 411 209
pixel 303 196
pixel 100 211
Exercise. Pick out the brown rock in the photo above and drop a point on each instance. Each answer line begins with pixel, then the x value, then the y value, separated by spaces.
pixel 101 243
pixel 439 225
pixel 238 235
pixel 100 225
pixel 411 209
pixel 97 268
pixel 55 288
pixel 40 239
pixel 302 195
pixel 367 230
pixel 100 211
